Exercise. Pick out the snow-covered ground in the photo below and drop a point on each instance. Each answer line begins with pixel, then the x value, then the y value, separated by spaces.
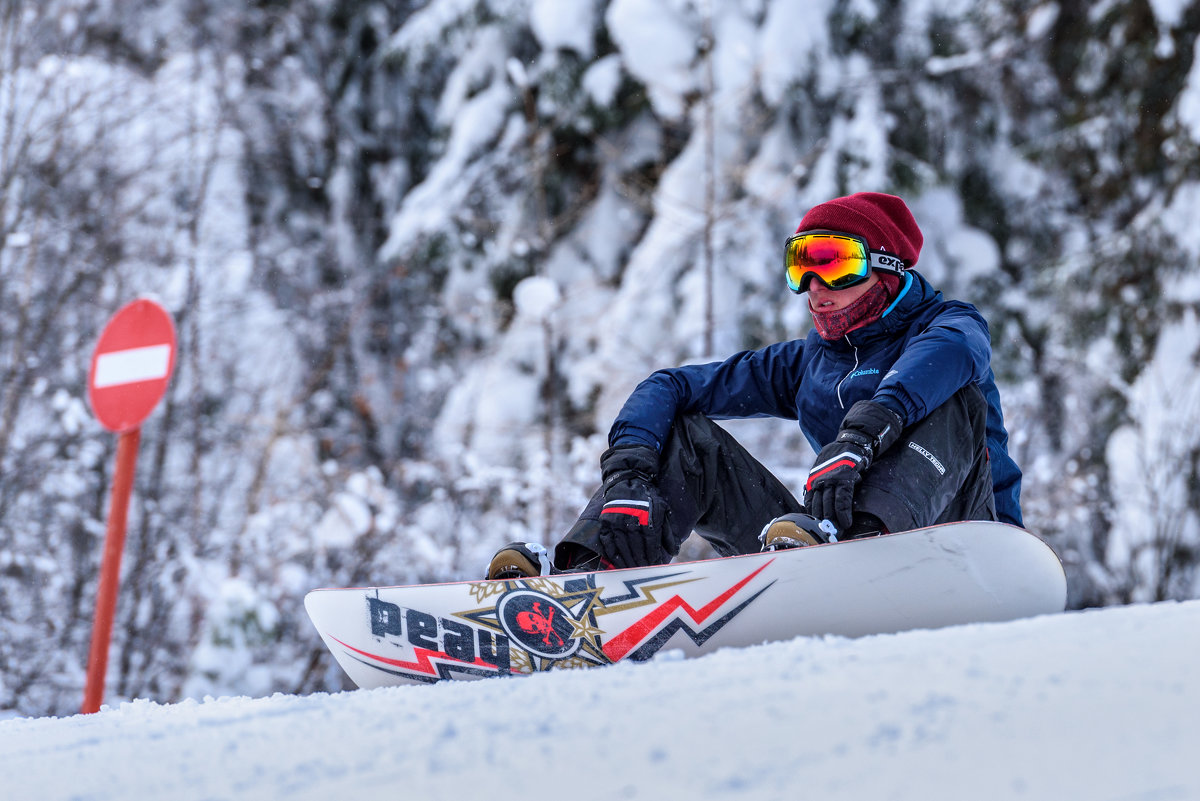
pixel 1098 705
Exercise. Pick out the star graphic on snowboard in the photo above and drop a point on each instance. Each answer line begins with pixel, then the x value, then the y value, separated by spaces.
pixel 579 597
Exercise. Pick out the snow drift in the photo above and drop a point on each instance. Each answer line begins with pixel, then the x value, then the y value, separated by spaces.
pixel 1099 704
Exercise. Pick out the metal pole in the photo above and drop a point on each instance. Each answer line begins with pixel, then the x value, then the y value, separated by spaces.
pixel 110 569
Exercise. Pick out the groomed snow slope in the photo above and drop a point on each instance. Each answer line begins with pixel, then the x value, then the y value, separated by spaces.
pixel 1099 705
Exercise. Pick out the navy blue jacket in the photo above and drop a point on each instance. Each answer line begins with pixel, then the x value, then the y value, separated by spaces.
pixel 922 351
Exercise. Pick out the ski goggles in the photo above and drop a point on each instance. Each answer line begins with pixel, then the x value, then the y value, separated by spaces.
pixel 837 259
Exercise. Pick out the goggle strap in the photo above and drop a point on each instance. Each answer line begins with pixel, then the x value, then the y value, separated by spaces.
pixel 881 260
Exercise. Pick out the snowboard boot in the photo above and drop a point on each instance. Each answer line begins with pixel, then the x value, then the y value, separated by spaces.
pixel 864 525
pixel 520 560
pixel 796 530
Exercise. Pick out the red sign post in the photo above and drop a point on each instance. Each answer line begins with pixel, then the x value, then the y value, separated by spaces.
pixel 131 366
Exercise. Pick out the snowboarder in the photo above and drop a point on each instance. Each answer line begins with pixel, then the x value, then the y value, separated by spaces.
pixel 893 388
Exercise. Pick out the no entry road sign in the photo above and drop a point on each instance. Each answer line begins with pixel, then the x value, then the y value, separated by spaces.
pixel 130 370
pixel 131 366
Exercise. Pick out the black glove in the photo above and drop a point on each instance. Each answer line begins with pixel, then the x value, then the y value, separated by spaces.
pixel 631 520
pixel 868 430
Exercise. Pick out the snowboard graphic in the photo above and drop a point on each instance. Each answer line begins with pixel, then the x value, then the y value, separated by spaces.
pixel 939 576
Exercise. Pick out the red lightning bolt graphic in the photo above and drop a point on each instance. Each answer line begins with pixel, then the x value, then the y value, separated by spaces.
pixel 422 665
pixel 623 643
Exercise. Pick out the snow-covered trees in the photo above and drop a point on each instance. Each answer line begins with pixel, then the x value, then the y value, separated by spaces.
pixel 419 252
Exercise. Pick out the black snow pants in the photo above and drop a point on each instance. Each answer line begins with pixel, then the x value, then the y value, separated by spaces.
pixel 937 472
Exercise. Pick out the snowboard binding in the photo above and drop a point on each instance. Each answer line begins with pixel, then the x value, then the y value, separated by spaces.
pixel 796 530
pixel 519 560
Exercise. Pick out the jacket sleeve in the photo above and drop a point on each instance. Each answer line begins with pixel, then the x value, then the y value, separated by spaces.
pixel 759 383
pixel 954 350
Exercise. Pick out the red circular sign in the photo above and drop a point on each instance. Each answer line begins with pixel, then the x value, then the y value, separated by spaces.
pixel 132 365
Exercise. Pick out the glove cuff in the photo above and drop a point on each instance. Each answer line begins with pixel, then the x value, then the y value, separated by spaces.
pixel 641 460
pixel 872 426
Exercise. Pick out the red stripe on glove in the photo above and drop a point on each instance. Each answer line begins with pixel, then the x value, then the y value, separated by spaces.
pixel 829 468
pixel 642 515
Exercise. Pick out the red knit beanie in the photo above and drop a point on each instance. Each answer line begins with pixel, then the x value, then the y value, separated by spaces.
pixel 883 220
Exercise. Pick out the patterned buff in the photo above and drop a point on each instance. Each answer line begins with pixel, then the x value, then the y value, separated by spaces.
pixel 833 325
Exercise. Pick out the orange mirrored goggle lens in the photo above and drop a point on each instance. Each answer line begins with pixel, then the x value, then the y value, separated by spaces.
pixel 838 260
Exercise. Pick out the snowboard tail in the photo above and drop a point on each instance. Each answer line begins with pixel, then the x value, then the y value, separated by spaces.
pixel 944 575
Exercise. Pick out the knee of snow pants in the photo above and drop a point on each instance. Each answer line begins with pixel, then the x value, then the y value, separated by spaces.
pixel 711 484
pixel 938 471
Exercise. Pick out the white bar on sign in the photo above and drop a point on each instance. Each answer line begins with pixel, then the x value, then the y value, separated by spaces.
pixel 133 365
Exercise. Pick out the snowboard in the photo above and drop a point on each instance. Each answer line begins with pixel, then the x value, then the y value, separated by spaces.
pixel 944 575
